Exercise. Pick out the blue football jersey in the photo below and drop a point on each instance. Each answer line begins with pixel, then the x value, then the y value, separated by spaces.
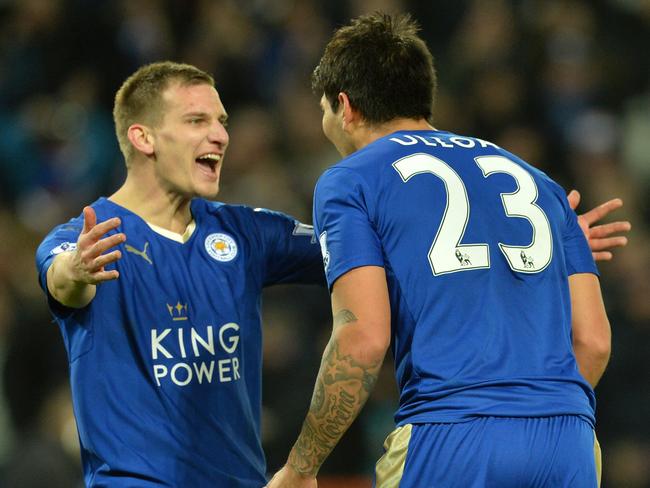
pixel 477 246
pixel 165 362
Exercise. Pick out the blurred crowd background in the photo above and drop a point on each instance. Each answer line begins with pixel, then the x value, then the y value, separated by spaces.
pixel 563 83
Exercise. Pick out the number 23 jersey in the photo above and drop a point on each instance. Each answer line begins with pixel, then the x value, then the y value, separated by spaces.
pixel 477 246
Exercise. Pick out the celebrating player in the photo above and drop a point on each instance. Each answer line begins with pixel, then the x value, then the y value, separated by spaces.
pixel 471 263
pixel 159 302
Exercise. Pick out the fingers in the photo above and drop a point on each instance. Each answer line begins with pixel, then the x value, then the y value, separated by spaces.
pixel 102 276
pixel 574 199
pixel 102 228
pixel 93 260
pixel 607 243
pixel 90 219
pixel 93 235
pixel 90 260
pixel 105 244
pixel 606 230
pixel 602 256
pixel 94 271
pixel 104 259
pixel 597 213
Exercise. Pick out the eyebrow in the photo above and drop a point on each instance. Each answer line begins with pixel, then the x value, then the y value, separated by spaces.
pixel 195 114
pixel 204 115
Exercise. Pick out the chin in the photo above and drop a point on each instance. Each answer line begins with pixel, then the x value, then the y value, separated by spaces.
pixel 208 193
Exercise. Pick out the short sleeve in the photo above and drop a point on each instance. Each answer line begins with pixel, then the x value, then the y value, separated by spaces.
pixel 62 238
pixel 290 251
pixel 346 234
pixel 576 249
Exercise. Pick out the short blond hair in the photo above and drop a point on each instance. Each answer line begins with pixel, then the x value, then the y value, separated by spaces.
pixel 139 99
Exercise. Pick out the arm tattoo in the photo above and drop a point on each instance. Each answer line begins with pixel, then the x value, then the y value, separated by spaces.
pixel 342 388
pixel 344 316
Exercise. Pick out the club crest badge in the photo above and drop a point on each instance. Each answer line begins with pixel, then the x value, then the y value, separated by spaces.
pixel 221 247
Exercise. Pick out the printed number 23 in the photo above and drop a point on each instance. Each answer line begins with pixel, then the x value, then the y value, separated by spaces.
pixel 447 255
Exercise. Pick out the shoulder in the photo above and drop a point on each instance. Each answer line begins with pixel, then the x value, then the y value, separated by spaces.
pixel 365 166
pixel 61 238
pixel 341 182
pixel 548 194
pixel 105 208
pixel 542 178
pixel 74 226
pixel 243 217
pixel 230 211
pixel 202 209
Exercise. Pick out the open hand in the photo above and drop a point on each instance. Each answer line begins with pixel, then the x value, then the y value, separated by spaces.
pixel 600 237
pixel 87 264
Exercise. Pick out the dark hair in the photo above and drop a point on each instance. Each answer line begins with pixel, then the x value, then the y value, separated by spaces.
pixel 139 99
pixel 382 65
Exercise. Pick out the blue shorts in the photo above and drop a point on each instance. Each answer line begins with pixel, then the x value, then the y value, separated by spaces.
pixel 553 452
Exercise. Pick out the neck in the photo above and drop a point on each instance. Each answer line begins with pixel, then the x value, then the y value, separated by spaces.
pixel 143 196
pixel 365 134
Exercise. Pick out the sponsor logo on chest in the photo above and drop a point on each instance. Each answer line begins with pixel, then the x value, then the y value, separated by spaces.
pixel 183 354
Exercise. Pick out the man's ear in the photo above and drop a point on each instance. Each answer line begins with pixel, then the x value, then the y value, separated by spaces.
pixel 349 115
pixel 141 138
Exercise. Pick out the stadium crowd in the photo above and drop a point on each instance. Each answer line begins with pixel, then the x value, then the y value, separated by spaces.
pixel 563 83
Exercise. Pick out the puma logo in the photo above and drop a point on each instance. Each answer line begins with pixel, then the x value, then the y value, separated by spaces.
pixel 142 254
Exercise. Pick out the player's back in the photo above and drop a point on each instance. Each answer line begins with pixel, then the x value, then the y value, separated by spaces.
pixel 477 247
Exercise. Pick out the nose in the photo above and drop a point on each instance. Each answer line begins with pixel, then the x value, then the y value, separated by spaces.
pixel 218 134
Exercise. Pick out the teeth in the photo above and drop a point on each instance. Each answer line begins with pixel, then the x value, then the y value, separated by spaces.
pixel 211 157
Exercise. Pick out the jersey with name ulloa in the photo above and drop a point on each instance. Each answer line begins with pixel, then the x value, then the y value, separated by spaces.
pixel 477 246
pixel 165 362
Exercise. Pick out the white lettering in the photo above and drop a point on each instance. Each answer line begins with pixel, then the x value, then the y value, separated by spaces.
pixel 428 143
pixel 175 379
pixel 182 374
pixel 155 343
pixel 412 139
pixel 454 141
pixel 159 371
pixel 203 370
pixel 181 344
pixel 196 339
pixel 486 143
pixel 234 339
pixel 442 143
pixel 235 368
pixel 463 142
pixel 223 369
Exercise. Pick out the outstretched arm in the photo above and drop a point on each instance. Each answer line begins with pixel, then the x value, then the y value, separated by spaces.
pixel 73 275
pixel 348 372
pixel 600 237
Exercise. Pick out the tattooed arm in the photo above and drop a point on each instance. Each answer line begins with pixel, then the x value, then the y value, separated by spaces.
pixel 348 372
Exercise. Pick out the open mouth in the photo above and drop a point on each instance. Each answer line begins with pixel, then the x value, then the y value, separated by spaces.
pixel 208 163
